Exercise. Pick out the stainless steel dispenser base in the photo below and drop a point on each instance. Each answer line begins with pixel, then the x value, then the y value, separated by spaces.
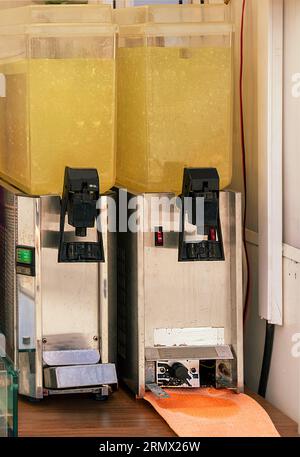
pixel 54 313
pixel 170 311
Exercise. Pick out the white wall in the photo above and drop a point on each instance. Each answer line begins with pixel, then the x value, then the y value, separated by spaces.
pixel 284 383
pixel 255 329
pixel 291 139
pixel 250 109
pixel 283 390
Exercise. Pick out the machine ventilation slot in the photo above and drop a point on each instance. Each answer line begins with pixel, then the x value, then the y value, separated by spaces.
pixel 8 227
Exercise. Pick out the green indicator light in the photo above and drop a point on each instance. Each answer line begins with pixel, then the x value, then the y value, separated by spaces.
pixel 24 256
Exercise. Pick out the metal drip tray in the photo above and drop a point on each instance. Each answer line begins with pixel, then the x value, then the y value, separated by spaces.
pixel 71 357
pixel 80 376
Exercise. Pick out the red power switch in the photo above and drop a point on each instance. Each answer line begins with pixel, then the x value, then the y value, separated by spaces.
pixel 212 234
pixel 159 236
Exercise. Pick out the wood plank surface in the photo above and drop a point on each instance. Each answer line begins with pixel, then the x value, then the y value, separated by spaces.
pixel 121 416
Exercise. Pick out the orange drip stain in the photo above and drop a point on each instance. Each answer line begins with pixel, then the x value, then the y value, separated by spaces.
pixel 200 406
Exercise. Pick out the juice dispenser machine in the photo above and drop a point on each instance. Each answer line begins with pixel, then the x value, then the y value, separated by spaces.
pixel 180 271
pixel 57 156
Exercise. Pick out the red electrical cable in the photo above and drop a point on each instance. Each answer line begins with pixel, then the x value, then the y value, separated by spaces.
pixel 244 168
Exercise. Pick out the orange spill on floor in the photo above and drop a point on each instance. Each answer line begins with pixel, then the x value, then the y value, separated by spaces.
pixel 213 413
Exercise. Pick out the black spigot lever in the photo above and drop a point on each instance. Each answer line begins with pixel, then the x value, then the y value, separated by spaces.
pixel 201 183
pixel 80 195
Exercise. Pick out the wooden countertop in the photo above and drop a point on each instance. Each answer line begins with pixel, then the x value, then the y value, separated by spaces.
pixel 121 416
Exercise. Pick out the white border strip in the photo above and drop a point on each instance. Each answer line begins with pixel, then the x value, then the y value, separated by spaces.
pixel 270 112
pixel 288 252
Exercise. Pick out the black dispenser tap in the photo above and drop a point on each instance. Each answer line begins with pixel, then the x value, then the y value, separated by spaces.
pixel 80 195
pixel 201 183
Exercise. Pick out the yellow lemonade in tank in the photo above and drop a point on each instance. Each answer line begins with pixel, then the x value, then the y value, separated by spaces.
pixel 57 113
pixel 57 94
pixel 174 111
pixel 175 95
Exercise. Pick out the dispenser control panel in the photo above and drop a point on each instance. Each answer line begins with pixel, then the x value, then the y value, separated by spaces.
pixel 25 260
pixel 178 373
pixel 195 373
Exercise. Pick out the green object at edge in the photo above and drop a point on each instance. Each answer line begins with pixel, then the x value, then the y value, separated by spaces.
pixel 8 398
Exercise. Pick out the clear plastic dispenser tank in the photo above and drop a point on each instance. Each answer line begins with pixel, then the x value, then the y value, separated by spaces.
pixel 57 94
pixel 174 67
